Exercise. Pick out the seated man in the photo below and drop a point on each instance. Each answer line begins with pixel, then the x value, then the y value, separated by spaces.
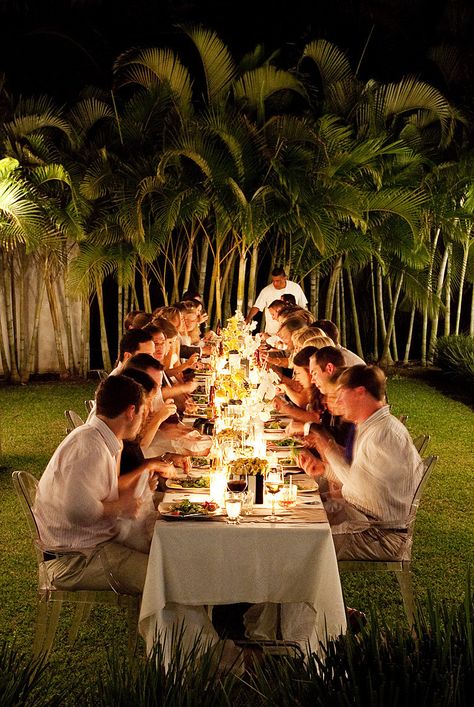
pixel 369 519
pixel 81 497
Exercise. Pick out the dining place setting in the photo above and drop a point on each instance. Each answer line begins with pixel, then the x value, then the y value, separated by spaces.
pixel 228 527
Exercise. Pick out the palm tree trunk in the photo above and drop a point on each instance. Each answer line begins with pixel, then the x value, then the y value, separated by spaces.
pixel 343 311
pixel 374 311
pixel 314 292
pixel 241 279
pixel 189 260
pixel 437 304
pixel 57 329
pixel 355 316
pixel 228 279
pixel 145 287
pixel 406 358
pixel 252 291
pixel 332 288
pixel 424 340
pixel 7 288
pixel 447 290
pixel 394 333
pixel 385 358
pixel 28 370
pixel 462 278
pixel 85 335
pixel 203 265
pixel 68 326
pixel 337 300
pixel 471 324
pixel 104 345
pixel 21 327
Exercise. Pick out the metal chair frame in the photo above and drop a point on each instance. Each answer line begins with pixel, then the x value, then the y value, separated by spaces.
pixel 401 568
pixel 50 600
pixel 73 420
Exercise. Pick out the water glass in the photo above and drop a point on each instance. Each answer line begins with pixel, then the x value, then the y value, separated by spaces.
pixel 247 503
pixel 233 507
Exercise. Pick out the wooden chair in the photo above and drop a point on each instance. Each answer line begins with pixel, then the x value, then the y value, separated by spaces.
pixel 73 420
pixel 50 599
pixel 89 404
pixel 401 568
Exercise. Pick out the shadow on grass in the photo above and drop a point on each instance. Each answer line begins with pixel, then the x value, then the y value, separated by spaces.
pixel 445 382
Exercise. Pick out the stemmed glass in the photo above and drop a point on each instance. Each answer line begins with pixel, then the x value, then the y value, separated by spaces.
pixel 274 482
pixel 237 482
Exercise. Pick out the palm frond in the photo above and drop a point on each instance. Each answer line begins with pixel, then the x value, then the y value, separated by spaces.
pixel 332 63
pixel 218 65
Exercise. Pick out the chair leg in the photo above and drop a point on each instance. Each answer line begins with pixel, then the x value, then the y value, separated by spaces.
pixel 132 624
pixel 406 588
pixel 81 614
pixel 46 625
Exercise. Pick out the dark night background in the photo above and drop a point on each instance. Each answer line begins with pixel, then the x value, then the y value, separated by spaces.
pixel 59 46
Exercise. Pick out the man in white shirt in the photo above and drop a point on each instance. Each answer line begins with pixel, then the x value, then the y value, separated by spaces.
pixel 331 330
pixel 369 515
pixel 80 497
pixel 280 285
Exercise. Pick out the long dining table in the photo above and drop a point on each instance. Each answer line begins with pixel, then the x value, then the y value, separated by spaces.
pixel 196 564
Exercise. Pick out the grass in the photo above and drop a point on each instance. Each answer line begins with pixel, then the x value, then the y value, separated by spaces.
pixel 32 423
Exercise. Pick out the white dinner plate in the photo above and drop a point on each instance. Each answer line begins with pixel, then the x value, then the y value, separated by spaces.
pixel 306 485
pixel 166 512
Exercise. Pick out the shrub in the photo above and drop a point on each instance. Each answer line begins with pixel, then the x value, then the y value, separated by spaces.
pixel 431 666
pixel 456 354
pixel 24 681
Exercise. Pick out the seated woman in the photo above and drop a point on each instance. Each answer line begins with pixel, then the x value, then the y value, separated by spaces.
pixel 303 399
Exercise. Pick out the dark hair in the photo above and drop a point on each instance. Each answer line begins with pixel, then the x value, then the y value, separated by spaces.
pixel 192 294
pixel 129 317
pixel 288 297
pixel 278 272
pixel 141 319
pixel 185 305
pixel 303 356
pixel 293 324
pixel 141 377
pixel 329 354
pixel 131 340
pixel 153 328
pixel 142 361
pixel 329 328
pixel 372 378
pixel 278 304
pixel 115 394
pixel 166 327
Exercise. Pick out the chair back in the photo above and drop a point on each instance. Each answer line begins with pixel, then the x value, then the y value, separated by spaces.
pixel 89 405
pixel 26 486
pixel 403 418
pixel 73 420
pixel 421 442
pixel 428 464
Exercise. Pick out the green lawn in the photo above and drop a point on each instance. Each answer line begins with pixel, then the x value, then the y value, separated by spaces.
pixel 32 424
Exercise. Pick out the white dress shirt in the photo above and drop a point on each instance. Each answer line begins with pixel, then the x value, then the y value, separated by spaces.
pixel 385 470
pixel 270 293
pixel 81 474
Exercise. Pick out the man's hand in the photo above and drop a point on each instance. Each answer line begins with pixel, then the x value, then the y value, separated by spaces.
pixel 181 461
pixel 310 464
pixel 126 506
pixel 294 428
pixel 156 465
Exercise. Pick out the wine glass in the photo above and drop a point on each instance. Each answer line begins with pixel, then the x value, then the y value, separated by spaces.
pixel 274 482
pixel 237 482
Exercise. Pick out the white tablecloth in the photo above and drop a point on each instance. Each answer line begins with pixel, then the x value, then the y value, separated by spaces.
pixel 194 564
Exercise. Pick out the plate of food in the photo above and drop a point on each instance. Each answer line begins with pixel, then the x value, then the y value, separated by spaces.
pixel 275 435
pixel 200 462
pixel 274 425
pixel 248 465
pixel 305 484
pixel 188 510
pixel 193 484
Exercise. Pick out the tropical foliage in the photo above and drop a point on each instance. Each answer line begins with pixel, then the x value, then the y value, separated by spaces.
pixel 208 173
